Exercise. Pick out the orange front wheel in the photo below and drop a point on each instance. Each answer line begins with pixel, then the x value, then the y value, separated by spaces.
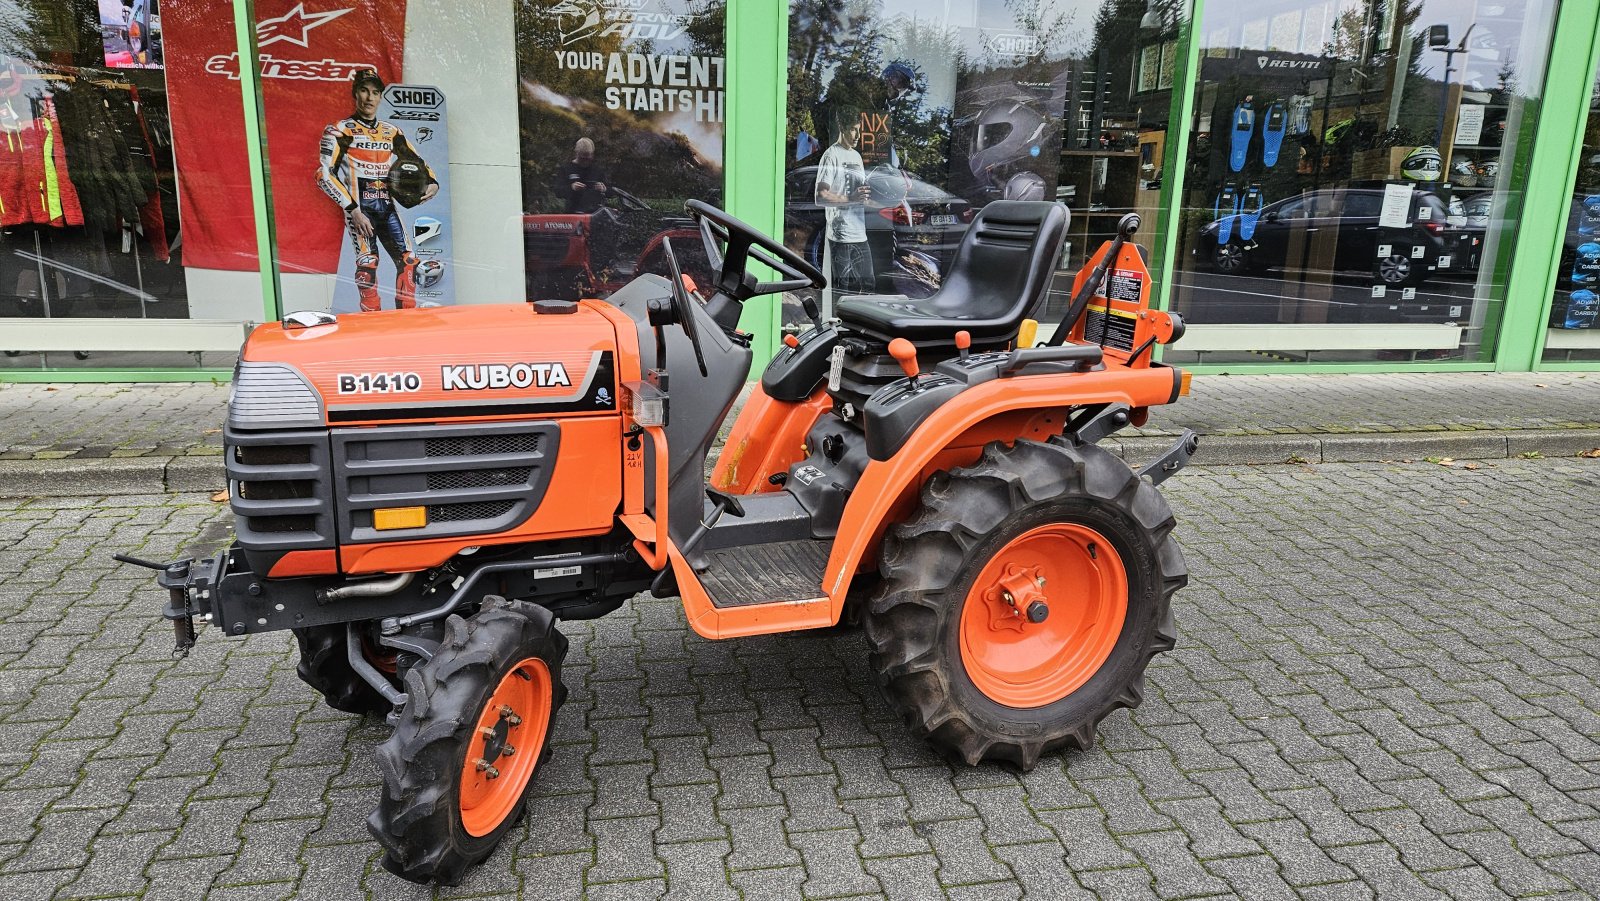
pixel 1023 601
pixel 469 742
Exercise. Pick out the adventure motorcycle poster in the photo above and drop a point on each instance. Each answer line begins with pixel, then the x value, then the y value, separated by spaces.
pixel 407 258
pixel 621 112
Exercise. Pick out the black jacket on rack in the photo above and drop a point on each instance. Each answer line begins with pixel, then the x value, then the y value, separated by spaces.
pixel 103 170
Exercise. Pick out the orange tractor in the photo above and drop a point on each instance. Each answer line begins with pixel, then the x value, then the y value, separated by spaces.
pixel 420 496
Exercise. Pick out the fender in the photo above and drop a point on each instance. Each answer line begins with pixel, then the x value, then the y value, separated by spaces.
pixel 767 438
pixel 885 483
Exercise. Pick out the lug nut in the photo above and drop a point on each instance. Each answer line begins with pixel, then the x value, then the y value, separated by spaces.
pixel 487 769
pixel 1037 611
pixel 508 750
pixel 486 732
pixel 509 716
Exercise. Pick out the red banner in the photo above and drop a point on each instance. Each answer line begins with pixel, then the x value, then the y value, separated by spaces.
pixel 308 51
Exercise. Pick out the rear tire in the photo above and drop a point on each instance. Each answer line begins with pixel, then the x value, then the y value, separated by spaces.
pixel 980 682
pixel 442 812
pixel 325 665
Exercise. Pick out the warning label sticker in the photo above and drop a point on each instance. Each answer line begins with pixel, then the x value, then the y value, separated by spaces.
pixel 1110 328
pixel 1124 284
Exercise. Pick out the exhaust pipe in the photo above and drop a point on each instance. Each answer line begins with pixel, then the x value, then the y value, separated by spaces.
pixel 369 589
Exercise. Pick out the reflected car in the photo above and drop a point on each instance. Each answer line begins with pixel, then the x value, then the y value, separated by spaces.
pixel 1298 227
pixel 913 227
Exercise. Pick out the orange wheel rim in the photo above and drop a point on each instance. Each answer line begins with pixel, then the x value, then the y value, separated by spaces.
pixel 504 747
pixel 1071 575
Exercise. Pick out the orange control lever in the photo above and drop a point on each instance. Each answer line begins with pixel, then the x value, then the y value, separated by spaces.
pixel 905 353
pixel 791 341
pixel 963 342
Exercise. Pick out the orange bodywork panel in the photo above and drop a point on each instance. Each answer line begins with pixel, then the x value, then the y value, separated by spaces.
pixel 768 437
pixel 452 363
pixel 319 562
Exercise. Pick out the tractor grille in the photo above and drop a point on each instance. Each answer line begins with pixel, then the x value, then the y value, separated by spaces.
pixel 479 478
pixel 472 479
pixel 280 488
pixel 469 512
pixel 475 445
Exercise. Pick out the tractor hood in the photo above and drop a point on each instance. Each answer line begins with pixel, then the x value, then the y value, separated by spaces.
pixel 443 363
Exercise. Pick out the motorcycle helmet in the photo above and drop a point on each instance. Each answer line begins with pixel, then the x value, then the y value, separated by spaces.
pixel 408 179
pixel 1464 172
pixel 1005 132
pixel 429 272
pixel 1488 172
pixel 1423 164
pixel 425 229
pixel 1024 186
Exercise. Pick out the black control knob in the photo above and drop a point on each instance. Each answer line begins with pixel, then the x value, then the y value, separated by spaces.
pixel 1037 611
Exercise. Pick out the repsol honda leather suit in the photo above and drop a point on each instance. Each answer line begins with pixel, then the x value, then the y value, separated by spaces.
pixel 355 157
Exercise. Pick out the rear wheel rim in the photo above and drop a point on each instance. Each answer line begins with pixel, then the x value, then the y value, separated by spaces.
pixel 1080 579
pixel 505 746
pixel 1229 257
pixel 1395 269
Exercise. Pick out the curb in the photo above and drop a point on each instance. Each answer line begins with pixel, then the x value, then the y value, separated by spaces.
pixel 161 474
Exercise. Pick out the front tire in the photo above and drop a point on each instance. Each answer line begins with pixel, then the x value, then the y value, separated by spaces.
pixel 325 666
pixel 957 640
pixel 473 733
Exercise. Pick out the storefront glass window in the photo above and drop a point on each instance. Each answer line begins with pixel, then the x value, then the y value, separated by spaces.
pixel 428 153
pixel 1574 334
pixel 123 163
pixel 905 119
pixel 1350 165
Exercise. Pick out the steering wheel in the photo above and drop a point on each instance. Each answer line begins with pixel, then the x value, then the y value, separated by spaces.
pixel 683 307
pixel 743 243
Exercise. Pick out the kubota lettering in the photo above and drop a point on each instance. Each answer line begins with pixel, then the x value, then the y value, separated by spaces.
pixel 481 376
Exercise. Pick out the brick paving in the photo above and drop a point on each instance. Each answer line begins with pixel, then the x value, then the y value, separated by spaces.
pixel 84 421
pixel 1387 684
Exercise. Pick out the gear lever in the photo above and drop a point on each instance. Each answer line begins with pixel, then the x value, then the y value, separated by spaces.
pixel 963 342
pixel 905 353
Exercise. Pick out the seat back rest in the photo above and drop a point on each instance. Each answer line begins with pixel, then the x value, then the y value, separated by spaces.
pixel 1000 274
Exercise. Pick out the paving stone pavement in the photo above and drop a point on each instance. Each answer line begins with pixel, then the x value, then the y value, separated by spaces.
pixel 1387 685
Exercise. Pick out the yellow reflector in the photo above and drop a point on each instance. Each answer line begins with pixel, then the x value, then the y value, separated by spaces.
pixel 400 518
pixel 1026 334
pixel 1183 386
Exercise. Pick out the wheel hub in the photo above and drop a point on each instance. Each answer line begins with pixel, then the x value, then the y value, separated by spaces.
pixel 505 746
pixel 1024 648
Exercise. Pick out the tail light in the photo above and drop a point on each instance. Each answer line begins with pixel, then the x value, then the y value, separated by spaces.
pixel 900 215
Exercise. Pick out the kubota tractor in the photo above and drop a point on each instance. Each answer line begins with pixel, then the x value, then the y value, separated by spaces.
pixel 420 496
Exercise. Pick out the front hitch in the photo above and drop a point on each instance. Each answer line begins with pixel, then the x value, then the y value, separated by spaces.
pixel 188 583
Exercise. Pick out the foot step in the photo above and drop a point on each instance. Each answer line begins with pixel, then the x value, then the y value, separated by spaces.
pixel 766 573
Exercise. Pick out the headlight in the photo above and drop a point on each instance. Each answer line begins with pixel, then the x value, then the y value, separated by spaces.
pixel 272 395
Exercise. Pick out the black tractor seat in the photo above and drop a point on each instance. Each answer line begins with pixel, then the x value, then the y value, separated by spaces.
pixel 1000 275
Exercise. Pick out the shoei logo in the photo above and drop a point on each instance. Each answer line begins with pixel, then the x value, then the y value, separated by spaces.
pixel 294 25
pixel 1011 44
pixel 426 98
pixel 575 19
pixel 480 376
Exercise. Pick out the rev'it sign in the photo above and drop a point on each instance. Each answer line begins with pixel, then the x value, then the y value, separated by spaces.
pixel 1255 64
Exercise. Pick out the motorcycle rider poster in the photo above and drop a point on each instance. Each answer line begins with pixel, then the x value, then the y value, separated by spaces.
pixel 385 166
pixel 633 90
